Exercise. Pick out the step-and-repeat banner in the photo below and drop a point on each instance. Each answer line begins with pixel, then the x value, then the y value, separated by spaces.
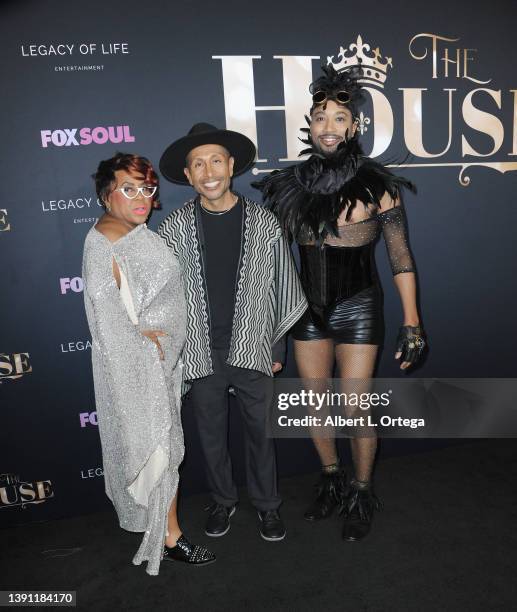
pixel 83 80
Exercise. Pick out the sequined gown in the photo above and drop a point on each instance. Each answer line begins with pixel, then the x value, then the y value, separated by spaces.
pixel 137 395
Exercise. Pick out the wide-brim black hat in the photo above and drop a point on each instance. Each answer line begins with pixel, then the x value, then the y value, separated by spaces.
pixel 240 147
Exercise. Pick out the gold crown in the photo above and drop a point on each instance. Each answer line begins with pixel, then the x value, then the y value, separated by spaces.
pixel 374 67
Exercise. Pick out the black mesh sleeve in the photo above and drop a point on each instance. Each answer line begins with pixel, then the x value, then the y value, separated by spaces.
pixel 394 229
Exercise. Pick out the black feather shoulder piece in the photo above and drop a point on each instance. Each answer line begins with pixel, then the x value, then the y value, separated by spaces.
pixel 311 195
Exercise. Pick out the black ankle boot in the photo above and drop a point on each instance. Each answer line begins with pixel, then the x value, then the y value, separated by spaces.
pixel 330 493
pixel 358 508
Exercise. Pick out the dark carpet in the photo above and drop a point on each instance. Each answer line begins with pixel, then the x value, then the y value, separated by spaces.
pixel 446 540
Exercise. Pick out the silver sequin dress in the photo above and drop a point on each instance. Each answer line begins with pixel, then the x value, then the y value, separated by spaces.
pixel 137 395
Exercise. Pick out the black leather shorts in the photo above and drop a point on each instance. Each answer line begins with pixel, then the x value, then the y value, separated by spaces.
pixel 354 320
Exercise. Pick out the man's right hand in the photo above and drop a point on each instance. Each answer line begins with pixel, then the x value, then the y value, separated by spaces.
pixel 276 367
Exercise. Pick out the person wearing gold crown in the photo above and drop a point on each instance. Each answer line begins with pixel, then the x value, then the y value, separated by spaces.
pixel 335 205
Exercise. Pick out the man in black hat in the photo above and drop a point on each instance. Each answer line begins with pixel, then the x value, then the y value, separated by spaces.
pixel 243 295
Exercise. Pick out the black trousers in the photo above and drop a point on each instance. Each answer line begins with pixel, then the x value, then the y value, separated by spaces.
pixel 209 398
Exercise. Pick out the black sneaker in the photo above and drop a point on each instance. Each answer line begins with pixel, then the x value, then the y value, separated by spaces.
pixel 272 527
pixel 218 523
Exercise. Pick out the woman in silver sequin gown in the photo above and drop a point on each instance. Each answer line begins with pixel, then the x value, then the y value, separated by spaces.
pixel 136 312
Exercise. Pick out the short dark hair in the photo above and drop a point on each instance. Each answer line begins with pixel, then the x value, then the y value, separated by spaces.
pixel 133 164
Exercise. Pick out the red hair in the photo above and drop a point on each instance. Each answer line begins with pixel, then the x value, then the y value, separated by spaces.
pixel 132 164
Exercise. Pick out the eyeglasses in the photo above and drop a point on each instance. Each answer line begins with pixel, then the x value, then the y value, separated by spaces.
pixel 132 192
pixel 343 97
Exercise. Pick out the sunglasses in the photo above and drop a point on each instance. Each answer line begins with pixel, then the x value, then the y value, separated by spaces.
pixel 343 97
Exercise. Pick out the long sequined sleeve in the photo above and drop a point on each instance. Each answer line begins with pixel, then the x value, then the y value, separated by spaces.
pixel 394 228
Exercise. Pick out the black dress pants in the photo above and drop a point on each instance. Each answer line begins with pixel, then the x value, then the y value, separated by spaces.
pixel 209 399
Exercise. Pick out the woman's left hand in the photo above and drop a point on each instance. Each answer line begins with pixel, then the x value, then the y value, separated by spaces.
pixel 154 335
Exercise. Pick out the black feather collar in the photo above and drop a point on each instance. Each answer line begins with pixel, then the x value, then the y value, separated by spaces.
pixel 311 195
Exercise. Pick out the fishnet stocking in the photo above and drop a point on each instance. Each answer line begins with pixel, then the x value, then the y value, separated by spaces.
pixel 315 362
pixel 355 366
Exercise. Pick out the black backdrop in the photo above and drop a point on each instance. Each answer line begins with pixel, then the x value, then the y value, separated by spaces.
pixel 156 68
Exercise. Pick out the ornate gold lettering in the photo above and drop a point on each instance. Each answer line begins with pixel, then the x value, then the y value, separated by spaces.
pixel 483 122
pixel 413 121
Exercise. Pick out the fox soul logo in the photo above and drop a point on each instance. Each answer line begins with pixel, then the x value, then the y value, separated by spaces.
pixel 74 284
pixel 441 57
pixel 76 137
pixel 88 418
pixel 15 493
